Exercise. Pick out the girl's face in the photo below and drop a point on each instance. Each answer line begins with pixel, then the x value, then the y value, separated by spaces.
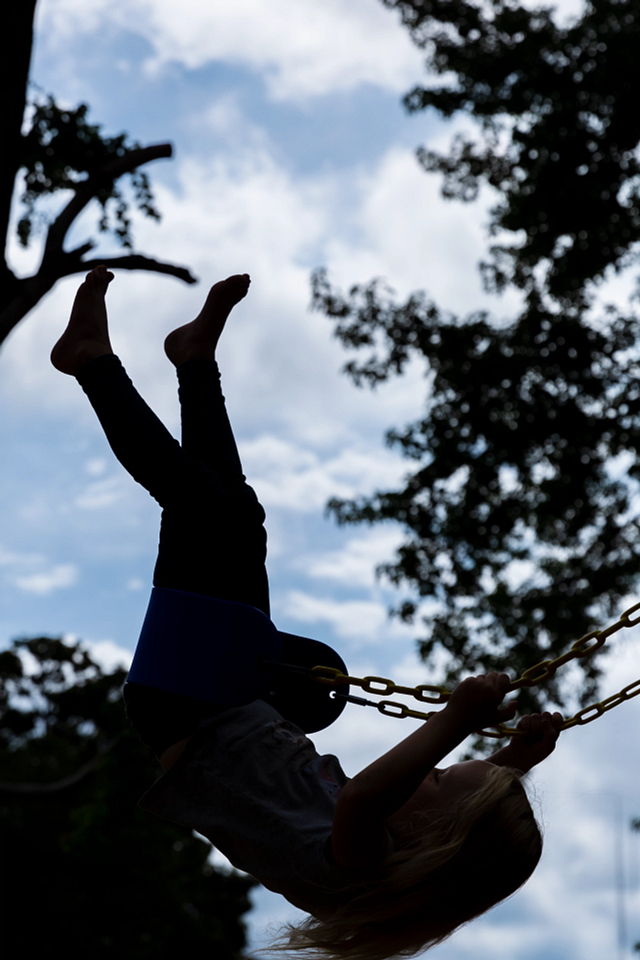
pixel 442 787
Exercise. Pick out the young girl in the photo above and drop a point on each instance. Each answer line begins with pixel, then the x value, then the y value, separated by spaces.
pixel 388 863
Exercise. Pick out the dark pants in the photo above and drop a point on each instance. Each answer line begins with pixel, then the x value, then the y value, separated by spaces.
pixel 212 538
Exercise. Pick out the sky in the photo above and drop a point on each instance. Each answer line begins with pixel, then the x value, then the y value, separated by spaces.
pixel 291 152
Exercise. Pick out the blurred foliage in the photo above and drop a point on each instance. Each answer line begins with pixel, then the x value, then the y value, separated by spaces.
pixel 82 869
pixel 520 537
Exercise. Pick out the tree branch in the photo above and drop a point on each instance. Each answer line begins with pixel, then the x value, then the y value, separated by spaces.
pixel 87 190
pixel 133 261
pixel 31 290
pixel 7 788
pixel 21 295
pixel 57 263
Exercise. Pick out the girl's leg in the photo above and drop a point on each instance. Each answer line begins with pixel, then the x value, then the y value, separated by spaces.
pixel 212 538
pixel 139 440
pixel 237 570
pixel 206 431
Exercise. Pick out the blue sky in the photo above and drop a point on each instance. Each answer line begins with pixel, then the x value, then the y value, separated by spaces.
pixel 292 151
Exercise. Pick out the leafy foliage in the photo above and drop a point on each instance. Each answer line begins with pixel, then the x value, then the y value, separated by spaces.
pixel 59 151
pixel 81 868
pixel 554 107
pixel 515 525
pixel 521 521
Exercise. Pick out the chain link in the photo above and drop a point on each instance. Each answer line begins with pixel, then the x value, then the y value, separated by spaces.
pixel 429 693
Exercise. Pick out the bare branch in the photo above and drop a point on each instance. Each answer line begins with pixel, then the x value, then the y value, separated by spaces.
pixel 133 261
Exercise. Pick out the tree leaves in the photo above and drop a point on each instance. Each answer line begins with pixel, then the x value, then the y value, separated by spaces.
pixel 59 151
pixel 557 127
pixel 516 531
pixel 521 515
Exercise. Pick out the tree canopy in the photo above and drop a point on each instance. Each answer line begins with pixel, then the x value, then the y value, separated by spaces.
pixel 49 149
pixel 82 869
pixel 522 529
pixel 556 129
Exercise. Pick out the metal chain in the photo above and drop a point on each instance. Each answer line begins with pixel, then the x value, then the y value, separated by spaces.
pixel 429 693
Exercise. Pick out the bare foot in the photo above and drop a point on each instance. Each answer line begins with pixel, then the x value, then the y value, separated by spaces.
pixel 87 333
pixel 197 340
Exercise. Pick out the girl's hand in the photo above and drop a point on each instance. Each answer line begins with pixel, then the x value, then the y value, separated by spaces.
pixel 541 731
pixel 476 701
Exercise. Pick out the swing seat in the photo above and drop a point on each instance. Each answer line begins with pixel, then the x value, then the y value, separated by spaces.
pixel 230 654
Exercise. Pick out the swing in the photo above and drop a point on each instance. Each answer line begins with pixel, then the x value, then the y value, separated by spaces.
pixel 240 656
pixel 230 654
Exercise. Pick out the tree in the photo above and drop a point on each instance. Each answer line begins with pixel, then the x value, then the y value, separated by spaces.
pixel 517 527
pixel 83 869
pixel 60 151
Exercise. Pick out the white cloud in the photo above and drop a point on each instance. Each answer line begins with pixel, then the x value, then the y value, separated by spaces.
pixel 413 238
pixel 292 476
pixel 354 565
pixel 350 618
pixel 96 466
pixel 57 577
pixel 362 622
pixel 101 494
pixel 11 558
pixel 108 654
pixel 410 671
pixel 33 573
pixel 301 48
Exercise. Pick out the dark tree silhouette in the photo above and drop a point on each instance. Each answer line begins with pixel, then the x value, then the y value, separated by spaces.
pixel 83 871
pixel 517 527
pixel 61 151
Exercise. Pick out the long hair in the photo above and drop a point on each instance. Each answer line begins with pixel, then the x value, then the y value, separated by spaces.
pixel 456 869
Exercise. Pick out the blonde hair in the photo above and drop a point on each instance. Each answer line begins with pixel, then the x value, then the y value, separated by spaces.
pixel 455 870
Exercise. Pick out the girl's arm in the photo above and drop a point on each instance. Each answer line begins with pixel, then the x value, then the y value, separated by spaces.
pixel 358 835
